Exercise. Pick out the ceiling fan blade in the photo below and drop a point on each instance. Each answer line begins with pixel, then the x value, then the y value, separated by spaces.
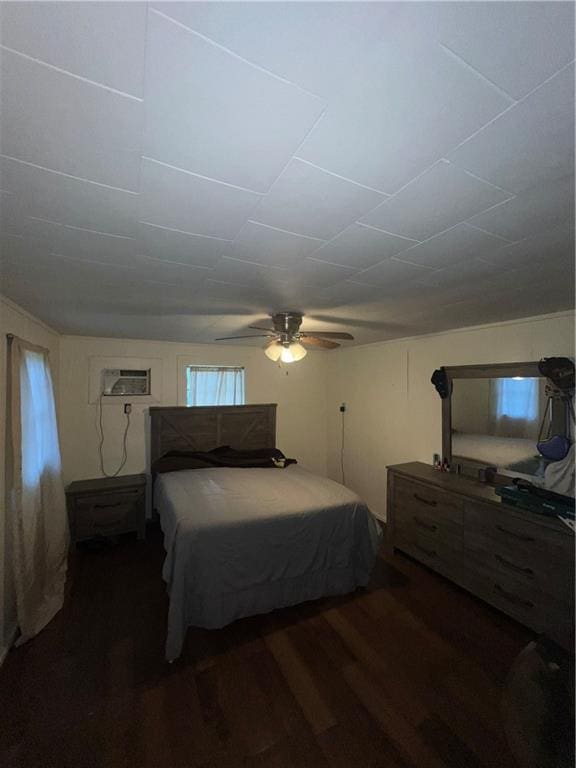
pixel 331 335
pixel 258 328
pixel 254 336
pixel 312 341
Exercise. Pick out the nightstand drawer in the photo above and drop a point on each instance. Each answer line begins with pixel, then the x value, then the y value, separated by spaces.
pixel 103 501
pixel 105 519
pixel 107 507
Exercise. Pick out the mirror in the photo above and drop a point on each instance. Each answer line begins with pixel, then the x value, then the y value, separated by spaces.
pixel 493 415
pixel 496 421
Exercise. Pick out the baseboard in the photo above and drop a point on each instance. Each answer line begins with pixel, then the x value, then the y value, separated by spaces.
pixel 11 635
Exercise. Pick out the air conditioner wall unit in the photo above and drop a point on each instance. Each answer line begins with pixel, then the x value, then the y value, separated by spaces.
pixel 119 382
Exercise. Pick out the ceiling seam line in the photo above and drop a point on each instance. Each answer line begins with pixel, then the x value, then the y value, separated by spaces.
pixel 478 73
pixel 66 72
pixel 505 111
pixel 69 175
pixel 183 231
pixel 285 231
pixel 339 176
pixel 230 52
pixel 201 176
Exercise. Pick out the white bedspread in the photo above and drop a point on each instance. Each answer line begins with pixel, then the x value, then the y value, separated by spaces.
pixel 245 541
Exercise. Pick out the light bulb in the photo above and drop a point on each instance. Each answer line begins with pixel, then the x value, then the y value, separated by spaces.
pixel 286 355
pixel 293 352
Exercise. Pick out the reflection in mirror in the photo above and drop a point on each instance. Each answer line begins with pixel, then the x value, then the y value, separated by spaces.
pixel 496 422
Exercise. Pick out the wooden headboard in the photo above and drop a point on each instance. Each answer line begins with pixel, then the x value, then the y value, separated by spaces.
pixel 202 428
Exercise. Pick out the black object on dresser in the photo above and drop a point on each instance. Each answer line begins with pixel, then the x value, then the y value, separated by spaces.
pixel 107 506
pixel 516 560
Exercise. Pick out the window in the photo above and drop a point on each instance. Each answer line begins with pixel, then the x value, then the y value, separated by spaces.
pixel 214 385
pixel 518 398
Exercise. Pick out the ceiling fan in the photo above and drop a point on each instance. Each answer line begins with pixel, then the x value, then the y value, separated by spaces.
pixel 287 342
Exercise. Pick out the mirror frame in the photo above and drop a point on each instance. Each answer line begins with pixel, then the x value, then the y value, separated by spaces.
pixel 486 371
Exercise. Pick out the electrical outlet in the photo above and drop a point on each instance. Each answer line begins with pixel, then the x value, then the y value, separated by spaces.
pixel 343 408
pixel 127 408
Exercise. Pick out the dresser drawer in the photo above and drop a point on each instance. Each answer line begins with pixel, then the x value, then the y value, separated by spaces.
pixel 420 509
pixel 523 601
pixel 535 555
pixel 428 550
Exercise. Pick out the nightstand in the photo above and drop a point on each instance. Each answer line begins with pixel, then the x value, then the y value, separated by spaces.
pixel 107 506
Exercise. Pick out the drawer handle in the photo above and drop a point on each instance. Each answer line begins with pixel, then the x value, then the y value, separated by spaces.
pixel 514 599
pixel 429 552
pixel 426 526
pixel 108 506
pixel 513 566
pixel 108 523
pixel 425 501
pixel 514 535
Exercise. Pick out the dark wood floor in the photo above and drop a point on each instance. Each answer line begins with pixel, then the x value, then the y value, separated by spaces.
pixel 405 674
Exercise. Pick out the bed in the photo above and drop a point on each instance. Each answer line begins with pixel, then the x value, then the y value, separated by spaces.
pixel 244 541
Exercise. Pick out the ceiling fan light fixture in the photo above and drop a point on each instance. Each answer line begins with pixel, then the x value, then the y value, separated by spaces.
pixel 286 352
pixel 273 351
pixel 293 352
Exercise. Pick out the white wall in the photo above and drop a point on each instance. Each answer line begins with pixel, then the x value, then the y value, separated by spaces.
pixel 15 320
pixel 299 390
pixel 393 412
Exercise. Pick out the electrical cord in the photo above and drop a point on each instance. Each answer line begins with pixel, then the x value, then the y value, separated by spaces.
pixel 101 444
pixel 342 451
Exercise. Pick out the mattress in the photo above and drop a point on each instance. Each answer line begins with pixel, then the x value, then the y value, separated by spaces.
pixel 245 541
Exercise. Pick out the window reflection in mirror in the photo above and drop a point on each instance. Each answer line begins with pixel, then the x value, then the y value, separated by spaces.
pixel 496 422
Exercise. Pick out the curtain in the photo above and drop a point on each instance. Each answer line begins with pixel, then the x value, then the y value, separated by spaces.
pixel 214 385
pixel 36 500
pixel 515 407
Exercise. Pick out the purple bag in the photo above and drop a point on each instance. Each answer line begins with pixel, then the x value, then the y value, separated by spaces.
pixel 555 448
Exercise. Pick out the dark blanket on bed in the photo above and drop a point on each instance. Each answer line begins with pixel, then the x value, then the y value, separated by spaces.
pixel 224 456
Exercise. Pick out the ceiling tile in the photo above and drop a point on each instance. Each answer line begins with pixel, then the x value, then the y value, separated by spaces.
pixel 182 247
pixel 543 207
pixel 547 248
pixel 246 273
pixel 392 273
pixel 472 273
pixel 162 271
pixel 60 198
pixel 103 42
pixel 182 200
pixel 418 97
pixel 438 199
pixel 270 246
pixel 531 143
pixel 360 246
pixel 313 272
pixel 460 243
pixel 90 246
pixel 313 202
pixel 285 37
pixel 515 45
pixel 67 125
pixel 219 116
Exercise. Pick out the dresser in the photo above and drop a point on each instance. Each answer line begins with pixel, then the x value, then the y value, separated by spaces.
pixel 518 561
pixel 107 506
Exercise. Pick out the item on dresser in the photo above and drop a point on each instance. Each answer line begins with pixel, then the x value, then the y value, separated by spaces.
pixel 518 561
pixel 107 506
pixel 527 496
